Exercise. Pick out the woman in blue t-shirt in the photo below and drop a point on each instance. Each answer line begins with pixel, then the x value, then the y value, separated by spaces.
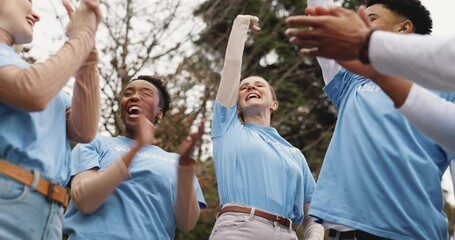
pixel 127 188
pixel 38 119
pixel 264 183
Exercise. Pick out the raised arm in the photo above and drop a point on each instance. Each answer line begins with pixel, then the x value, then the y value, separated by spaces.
pixel 228 90
pixel 328 66
pixel 84 114
pixel 422 59
pixel 186 204
pixel 32 88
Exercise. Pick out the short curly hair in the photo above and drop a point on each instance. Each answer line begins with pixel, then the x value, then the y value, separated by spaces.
pixel 165 98
pixel 410 9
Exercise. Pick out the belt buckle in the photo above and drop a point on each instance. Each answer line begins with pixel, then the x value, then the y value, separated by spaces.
pixel 50 194
pixel 278 218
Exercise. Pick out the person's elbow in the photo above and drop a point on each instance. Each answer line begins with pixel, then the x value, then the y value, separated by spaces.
pixel 81 133
pixel 189 222
pixel 82 200
pixel 83 138
pixel 84 208
pixel 187 227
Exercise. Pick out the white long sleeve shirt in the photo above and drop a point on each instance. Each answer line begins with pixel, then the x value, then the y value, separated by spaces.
pixel 423 59
pixel 433 115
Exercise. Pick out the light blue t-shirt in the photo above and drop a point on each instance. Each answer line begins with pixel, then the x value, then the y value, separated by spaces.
pixel 255 166
pixel 35 140
pixel 380 174
pixel 141 207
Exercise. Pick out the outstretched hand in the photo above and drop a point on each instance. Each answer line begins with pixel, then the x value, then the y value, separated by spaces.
pixel 254 22
pixel 186 147
pixel 332 32
pixel 86 16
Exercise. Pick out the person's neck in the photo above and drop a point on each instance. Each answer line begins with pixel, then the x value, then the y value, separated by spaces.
pixel 5 37
pixel 261 120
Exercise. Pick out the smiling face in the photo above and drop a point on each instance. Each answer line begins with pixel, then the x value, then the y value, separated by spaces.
pixel 384 19
pixel 18 19
pixel 139 97
pixel 256 97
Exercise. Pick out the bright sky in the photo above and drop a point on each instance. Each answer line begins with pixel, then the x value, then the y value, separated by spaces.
pixel 442 14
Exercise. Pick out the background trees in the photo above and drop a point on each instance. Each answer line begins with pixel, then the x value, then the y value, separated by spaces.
pixel 187 48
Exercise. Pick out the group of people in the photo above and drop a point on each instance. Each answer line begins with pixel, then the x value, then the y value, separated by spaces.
pixel 381 176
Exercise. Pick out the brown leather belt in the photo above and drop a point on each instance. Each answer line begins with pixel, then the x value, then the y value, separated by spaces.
pixel 51 191
pixel 276 218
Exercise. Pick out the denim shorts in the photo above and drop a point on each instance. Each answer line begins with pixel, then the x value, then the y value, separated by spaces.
pixel 26 213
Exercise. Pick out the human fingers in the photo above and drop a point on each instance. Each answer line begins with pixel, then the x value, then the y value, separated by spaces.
pixel 303 43
pixel 339 11
pixel 310 52
pixel 364 16
pixel 304 34
pixel 187 145
pixel 201 129
pixel 254 24
pixel 310 11
pixel 320 11
pixel 313 21
pixel 94 5
pixel 68 7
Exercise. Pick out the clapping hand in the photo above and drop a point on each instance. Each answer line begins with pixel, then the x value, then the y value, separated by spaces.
pixel 86 17
pixel 254 22
pixel 187 145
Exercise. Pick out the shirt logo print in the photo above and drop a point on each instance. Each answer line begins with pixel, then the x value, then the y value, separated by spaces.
pixel 275 143
pixel 146 155
pixel 368 88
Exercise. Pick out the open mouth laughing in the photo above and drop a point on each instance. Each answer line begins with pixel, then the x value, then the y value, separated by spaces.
pixel 133 111
pixel 252 96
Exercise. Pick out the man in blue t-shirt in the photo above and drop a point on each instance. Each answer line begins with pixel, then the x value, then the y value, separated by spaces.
pixel 381 176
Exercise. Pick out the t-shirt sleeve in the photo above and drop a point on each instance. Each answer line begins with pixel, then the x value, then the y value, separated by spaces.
pixel 308 184
pixel 9 57
pixel 84 157
pixel 223 118
pixel 341 85
pixel 200 195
